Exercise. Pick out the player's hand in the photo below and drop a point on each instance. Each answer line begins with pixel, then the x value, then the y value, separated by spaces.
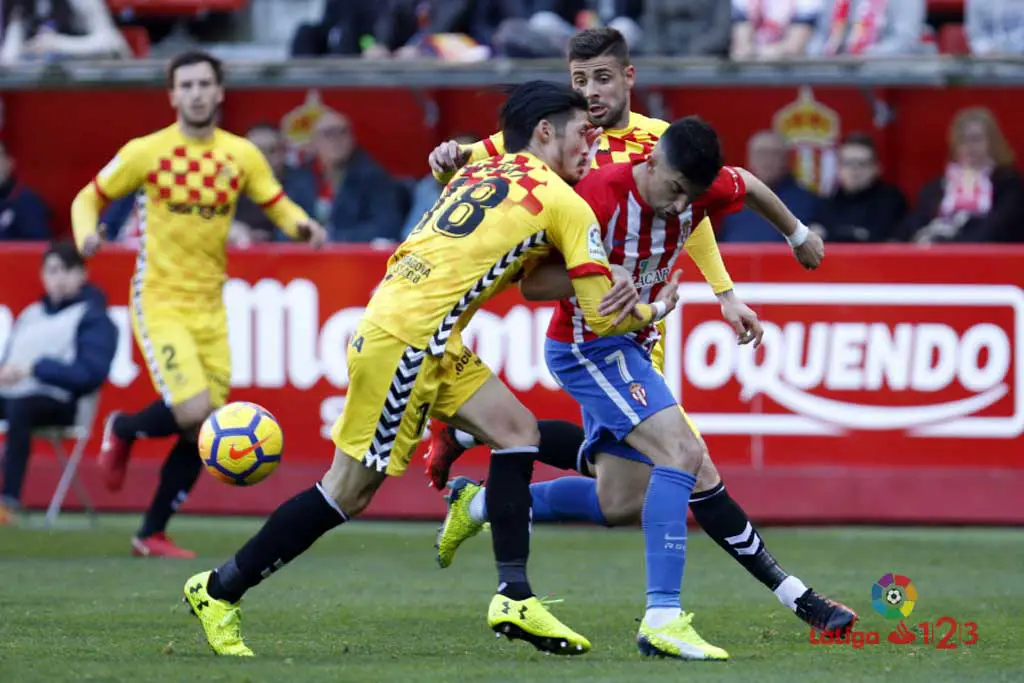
pixel 312 233
pixel 743 320
pixel 92 243
pixel 669 294
pixel 811 252
pixel 11 375
pixel 448 157
pixel 622 297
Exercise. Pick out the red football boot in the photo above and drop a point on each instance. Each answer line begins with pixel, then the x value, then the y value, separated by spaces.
pixel 114 454
pixel 442 453
pixel 159 545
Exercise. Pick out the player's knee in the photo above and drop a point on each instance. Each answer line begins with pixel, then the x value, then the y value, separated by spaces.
pixel 621 504
pixel 191 414
pixel 620 510
pixel 708 477
pixel 514 430
pixel 350 484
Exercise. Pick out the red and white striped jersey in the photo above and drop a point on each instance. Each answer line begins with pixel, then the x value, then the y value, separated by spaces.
pixel 636 239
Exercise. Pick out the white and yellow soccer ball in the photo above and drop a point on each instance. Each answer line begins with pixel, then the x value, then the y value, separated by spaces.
pixel 241 443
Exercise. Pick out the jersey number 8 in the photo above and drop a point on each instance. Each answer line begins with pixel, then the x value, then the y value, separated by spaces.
pixel 466 207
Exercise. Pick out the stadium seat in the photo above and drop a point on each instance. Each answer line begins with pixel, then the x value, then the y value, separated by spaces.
pixel 137 38
pixel 172 8
pixel 953 40
pixel 79 432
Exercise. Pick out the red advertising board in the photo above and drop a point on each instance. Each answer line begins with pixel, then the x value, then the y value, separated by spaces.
pixel 890 380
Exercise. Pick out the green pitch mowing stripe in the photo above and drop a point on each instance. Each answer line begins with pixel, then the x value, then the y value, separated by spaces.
pixel 369 604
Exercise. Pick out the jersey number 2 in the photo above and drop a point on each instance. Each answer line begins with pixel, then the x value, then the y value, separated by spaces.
pixel 466 208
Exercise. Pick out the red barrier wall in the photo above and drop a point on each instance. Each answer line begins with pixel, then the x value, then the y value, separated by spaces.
pixel 55 157
pixel 890 386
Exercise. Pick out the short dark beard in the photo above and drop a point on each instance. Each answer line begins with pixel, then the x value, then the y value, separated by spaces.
pixel 614 116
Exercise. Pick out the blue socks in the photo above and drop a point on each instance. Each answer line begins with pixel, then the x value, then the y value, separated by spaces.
pixel 664 524
pixel 567 499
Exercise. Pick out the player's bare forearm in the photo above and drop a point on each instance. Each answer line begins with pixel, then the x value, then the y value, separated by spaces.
pixel 547 282
pixel 763 201
pixel 590 290
pixel 85 214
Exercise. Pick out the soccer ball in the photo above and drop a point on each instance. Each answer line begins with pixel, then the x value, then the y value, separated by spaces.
pixel 894 596
pixel 241 443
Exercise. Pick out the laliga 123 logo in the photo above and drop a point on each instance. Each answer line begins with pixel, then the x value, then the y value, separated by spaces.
pixel 858 356
pixel 894 596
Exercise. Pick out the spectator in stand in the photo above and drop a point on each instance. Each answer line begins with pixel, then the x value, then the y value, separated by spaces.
pixel 995 27
pixel 60 349
pixel 23 215
pixel 357 200
pixel 768 159
pixel 427 191
pixel 553 22
pixel 456 30
pixel 871 28
pixel 980 197
pixel 251 224
pixel 54 29
pixel 688 28
pixel 772 29
pixel 863 208
pixel 342 30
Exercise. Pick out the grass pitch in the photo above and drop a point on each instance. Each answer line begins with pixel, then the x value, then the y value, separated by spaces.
pixel 369 604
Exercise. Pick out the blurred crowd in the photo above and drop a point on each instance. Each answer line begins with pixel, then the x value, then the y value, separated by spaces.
pixel 468 30
pixel 977 197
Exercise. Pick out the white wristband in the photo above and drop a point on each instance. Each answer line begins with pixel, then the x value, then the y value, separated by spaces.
pixel 799 235
pixel 660 310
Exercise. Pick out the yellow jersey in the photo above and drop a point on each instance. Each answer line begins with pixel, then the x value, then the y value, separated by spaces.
pixel 491 218
pixel 630 144
pixel 188 190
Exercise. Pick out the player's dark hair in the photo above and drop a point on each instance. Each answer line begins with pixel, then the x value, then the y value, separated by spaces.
pixel 598 42
pixel 532 102
pixel 67 252
pixel 194 57
pixel 858 139
pixel 691 146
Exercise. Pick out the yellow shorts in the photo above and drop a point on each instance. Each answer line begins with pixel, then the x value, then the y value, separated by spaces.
pixel 393 389
pixel 186 351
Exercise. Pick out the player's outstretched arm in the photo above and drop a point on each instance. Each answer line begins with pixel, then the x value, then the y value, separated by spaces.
pixel 808 247
pixel 551 282
pixel 85 218
pixel 448 157
pixel 591 289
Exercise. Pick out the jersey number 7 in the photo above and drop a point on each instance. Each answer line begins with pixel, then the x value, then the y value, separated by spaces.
pixel 463 207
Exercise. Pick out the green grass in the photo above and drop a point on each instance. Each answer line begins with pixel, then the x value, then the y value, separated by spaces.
pixel 369 604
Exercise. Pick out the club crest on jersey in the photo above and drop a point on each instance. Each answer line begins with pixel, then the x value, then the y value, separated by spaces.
pixel 595 246
pixel 639 394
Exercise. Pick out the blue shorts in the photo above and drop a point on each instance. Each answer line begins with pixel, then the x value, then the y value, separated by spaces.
pixel 617 388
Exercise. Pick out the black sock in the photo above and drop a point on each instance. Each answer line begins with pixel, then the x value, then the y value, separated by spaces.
pixel 560 444
pixel 155 420
pixel 724 520
pixel 508 509
pixel 177 477
pixel 289 531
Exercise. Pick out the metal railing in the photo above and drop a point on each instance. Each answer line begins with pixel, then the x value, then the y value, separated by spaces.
pixel 941 71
